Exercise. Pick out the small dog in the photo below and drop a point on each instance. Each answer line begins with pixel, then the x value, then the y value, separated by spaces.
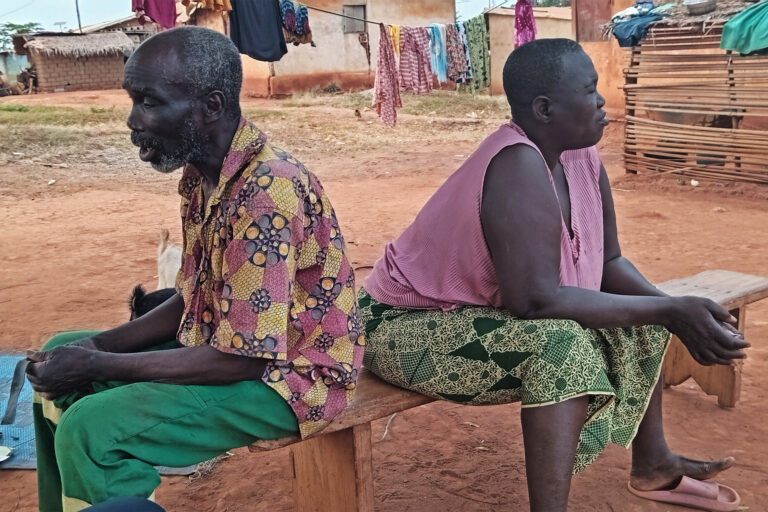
pixel 142 302
pixel 168 261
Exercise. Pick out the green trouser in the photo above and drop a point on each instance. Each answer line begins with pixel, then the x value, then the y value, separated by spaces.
pixel 92 447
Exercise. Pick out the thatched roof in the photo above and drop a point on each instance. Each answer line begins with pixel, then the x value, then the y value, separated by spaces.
pixel 73 45
pixel 725 10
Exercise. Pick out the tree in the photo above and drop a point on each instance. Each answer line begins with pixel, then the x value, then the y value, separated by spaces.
pixel 7 30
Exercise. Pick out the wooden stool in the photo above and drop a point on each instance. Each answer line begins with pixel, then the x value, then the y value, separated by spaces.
pixel 732 290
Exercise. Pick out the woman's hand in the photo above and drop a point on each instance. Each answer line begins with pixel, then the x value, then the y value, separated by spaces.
pixel 705 329
pixel 63 369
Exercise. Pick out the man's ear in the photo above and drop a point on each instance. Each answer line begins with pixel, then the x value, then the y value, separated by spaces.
pixel 214 105
pixel 541 108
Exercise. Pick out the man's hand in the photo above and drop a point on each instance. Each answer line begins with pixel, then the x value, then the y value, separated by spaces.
pixel 705 329
pixel 60 370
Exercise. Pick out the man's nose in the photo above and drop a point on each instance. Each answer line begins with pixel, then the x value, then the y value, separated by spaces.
pixel 134 120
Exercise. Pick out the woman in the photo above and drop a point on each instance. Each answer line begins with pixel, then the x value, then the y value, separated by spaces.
pixel 510 286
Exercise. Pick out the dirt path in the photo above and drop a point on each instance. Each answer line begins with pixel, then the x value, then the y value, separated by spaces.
pixel 71 254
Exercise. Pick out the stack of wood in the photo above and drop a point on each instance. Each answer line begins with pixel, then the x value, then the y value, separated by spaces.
pixel 694 109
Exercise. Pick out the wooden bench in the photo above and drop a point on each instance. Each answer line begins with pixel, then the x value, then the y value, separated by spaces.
pixel 732 290
pixel 340 457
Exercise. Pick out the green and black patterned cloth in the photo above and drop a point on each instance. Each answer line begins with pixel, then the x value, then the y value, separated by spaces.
pixel 485 356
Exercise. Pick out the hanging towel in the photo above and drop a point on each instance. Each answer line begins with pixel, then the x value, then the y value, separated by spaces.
pixel 525 24
pixel 463 38
pixel 454 50
pixel 386 89
pixel 630 33
pixel 437 57
pixel 295 23
pixel 415 69
pixel 394 36
pixel 747 32
pixel 479 55
pixel 162 12
pixel 256 29
pixel 214 5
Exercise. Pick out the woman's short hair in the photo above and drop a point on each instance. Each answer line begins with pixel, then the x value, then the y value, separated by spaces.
pixel 533 69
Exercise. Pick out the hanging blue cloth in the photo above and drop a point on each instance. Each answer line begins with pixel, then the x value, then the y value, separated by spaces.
pixel 437 53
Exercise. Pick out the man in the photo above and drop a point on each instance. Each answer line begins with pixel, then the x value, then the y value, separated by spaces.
pixel 510 286
pixel 265 327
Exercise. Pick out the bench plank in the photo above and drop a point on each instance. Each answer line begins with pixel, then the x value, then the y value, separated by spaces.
pixel 727 288
pixel 374 399
pixel 733 291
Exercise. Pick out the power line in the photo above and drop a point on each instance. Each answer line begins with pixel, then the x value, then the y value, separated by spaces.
pixel 17 9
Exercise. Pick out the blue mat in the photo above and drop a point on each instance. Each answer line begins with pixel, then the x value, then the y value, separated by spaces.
pixel 19 436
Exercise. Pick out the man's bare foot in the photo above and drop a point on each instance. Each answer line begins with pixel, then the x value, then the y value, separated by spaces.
pixel 667 473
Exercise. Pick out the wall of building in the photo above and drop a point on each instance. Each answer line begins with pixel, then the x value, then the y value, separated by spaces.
pixel 256 73
pixel 501 34
pixel 56 74
pixel 339 58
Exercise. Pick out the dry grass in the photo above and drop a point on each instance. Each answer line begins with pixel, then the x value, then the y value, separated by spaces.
pixel 309 125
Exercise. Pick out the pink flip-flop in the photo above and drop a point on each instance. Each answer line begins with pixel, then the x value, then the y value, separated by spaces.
pixel 695 494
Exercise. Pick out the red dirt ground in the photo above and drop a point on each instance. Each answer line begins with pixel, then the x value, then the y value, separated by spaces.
pixel 70 255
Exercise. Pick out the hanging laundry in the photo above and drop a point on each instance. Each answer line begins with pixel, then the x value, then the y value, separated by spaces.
pixel 747 32
pixel 479 55
pixel 295 23
pixel 386 90
pixel 415 69
pixel 394 36
pixel 162 12
pixel 464 43
pixel 454 50
pixel 256 29
pixel 525 23
pixel 630 33
pixel 437 58
pixel 214 5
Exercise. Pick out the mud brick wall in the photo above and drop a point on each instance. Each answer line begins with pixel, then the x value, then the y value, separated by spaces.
pixel 56 73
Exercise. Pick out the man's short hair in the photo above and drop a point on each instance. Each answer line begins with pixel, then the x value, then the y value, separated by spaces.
pixel 533 69
pixel 209 61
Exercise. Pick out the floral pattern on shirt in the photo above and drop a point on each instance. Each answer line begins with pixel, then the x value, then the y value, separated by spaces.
pixel 265 274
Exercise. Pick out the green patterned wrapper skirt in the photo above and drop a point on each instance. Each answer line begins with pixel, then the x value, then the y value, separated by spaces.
pixel 485 356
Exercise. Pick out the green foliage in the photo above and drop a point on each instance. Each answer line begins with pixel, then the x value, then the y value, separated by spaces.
pixel 11 29
pixel 13 108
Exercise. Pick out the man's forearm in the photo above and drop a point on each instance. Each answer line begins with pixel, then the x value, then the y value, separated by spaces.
pixel 622 278
pixel 158 326
pixel 203 365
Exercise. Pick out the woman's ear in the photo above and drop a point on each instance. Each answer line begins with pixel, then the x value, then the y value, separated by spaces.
pixel 541 108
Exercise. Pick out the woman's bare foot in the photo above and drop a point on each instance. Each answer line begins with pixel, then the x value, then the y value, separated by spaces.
pixel 666 474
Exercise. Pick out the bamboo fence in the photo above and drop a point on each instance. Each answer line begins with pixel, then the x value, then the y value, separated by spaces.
pixel 689 103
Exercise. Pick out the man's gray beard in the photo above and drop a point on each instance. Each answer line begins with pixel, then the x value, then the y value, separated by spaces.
pixel 193 148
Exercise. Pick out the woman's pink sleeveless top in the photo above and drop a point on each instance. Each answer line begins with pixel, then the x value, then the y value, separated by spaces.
pixel 442 261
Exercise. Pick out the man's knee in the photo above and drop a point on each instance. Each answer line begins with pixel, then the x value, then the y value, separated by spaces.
pixel 67 338
pixel 79 432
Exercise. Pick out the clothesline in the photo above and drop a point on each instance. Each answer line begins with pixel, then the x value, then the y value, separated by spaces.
pixel 342 15
pixel 378 23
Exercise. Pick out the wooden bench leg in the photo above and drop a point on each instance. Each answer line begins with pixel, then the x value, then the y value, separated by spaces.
pixel 334 472
pixel 721 380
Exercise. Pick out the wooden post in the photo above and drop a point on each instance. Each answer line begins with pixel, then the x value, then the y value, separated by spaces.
pixel 334 471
